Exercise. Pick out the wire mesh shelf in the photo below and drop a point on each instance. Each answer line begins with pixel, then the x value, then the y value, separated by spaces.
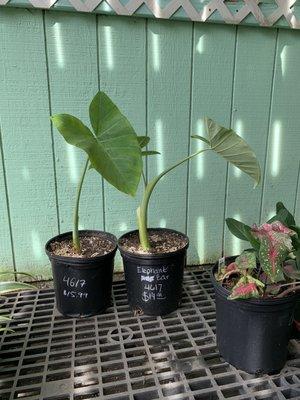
pixel 118 356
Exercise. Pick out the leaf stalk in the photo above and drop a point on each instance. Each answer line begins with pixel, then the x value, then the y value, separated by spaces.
pixel 75 234
pixel 142 211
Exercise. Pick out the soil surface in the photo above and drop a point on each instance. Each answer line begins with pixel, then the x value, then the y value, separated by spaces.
pixel 91 246
pixel 161 242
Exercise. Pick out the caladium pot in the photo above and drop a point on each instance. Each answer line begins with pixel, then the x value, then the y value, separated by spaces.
pixel 258 291
pixel 82 261
pixel 158 256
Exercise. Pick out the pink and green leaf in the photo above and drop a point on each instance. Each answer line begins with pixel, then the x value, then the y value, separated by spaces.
pixel 226 271
pixel 257 282
pixel 275 245
pixel 247 260
pixel 244 290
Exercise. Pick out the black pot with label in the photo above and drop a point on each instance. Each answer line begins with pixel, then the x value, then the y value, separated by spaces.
pixel 253 334
pixel 154 281
pixel 82 285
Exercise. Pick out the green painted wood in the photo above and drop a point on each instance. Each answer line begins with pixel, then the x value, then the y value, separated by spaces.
pixel 267 7
pixel 122 55
pixel 282 162
pixel 214 49
pixel 251 105
pixel 73 81
pixel 297 200
pixel 169 74
pixel 6 251
pixel 150 70
pixel 26 137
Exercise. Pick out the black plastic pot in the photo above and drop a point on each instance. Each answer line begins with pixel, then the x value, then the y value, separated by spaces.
pixel 154 281
pixel 253 335
pixel 82 285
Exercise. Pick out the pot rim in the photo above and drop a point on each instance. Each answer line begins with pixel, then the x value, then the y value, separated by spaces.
pixel 154 255
pixel 225 292
pixel 88 232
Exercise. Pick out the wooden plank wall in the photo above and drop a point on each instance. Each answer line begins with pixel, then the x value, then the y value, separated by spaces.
pixel 165 76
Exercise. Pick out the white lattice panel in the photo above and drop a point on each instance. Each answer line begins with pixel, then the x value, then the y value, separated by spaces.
pixel 193 9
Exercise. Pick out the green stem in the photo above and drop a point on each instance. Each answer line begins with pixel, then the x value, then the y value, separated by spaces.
pixel 76 242
pixel 289 284
pixel 142 211
pixel 144 179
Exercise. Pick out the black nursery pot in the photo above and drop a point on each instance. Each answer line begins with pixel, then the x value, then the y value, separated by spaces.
pixel 253 335
pixel 154 281
pixel 82 285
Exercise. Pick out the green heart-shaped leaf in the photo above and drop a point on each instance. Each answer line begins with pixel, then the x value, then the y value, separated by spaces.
pixel 233 148
pixel 113 149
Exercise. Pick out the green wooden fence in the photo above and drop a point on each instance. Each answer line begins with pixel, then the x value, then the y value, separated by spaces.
pixel 165 76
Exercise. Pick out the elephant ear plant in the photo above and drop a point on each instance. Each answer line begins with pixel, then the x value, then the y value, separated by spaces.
pixel 154 258
pixel 82 261
pixel 259 289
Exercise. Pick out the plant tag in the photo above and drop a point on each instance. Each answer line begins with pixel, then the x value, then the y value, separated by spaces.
pixel 221 263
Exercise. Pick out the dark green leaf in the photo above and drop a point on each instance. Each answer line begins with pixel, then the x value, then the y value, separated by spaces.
pixel 233 148
pixel 242 231
pixel 201 138
pixel 280 206
pixel 149 152
pixel 297 255
pixel 143 141
pixel 296 242
pixel 296 229
pixel 283 216
pixel 237 228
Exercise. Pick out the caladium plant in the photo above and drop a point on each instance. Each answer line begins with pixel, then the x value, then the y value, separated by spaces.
pixel 271 267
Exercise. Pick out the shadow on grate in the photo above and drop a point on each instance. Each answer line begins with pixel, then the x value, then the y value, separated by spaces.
pixel 117 356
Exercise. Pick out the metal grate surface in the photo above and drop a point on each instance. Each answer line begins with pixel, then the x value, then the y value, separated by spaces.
pixel 116 356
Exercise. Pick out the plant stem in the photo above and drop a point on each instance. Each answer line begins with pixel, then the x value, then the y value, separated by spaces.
pixel 142 211
pixel 144 179
pixel 288 284
pixel 287 291
pixel 76 241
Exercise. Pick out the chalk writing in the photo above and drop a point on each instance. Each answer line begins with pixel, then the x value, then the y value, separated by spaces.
pixel 74 282
pixel 153 286
pixel 75 295
pixel 147 278
pixel 152 271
